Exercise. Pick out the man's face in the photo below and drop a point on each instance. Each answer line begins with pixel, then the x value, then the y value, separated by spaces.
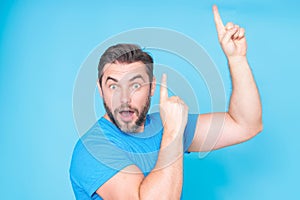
pixel 126 95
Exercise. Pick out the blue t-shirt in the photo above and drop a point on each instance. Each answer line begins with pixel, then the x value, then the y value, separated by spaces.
pixel 105 150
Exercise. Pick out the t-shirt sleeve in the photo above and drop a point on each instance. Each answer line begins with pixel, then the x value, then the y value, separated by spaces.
pixel 94 163
pixel 190 131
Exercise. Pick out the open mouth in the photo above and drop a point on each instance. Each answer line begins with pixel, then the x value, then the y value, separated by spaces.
pixel 126 115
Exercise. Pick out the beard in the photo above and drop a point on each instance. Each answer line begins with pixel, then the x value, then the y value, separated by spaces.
pixel 129 127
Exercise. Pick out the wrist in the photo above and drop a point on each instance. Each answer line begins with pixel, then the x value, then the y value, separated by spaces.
pixel 174 132
pixel 172 136
pixel 237 59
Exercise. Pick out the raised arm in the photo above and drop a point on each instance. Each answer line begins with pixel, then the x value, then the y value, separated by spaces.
pixel 244 117
pixel 165 180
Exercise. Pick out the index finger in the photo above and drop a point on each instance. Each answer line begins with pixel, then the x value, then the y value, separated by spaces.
pixel 218 20
pixel 163 88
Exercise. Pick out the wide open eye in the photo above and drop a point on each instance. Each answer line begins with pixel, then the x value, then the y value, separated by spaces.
pixel 136 86
pixel 113 86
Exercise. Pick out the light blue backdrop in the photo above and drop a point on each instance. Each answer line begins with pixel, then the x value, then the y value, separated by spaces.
pixel 43 44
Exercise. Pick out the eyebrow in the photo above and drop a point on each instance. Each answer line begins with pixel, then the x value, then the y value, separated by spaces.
pixel 111 78
pixel 132 79
pixel 135 77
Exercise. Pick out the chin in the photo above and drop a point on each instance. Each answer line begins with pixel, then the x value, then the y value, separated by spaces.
pixel 129 127
pixel 132 129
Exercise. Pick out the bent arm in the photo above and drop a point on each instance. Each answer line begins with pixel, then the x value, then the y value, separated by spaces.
pixel 163 182
pixel 243 119
pixel 245 105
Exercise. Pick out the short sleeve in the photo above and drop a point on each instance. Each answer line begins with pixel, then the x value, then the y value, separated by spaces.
pixel 95 160
pixel 189 131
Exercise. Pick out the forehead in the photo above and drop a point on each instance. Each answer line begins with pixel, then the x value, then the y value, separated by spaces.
pixel 124 70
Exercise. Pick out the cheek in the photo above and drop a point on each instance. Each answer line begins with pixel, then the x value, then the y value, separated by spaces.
pixel 138 99
pixel 111 100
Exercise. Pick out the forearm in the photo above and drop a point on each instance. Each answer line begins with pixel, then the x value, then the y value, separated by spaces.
pixel 245 105
pixel 165 180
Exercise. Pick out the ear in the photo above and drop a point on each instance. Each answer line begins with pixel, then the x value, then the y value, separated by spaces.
pixel 99 88
pixel 153 85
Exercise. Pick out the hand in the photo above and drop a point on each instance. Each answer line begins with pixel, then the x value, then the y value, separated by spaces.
pixel 173 111
pixel 231 37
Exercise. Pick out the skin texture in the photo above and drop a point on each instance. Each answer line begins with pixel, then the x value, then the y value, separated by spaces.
pixel 242 121
pixel 126 88
pixel 244 117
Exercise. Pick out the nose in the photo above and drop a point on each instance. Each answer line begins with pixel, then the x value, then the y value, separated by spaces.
pixel 125 96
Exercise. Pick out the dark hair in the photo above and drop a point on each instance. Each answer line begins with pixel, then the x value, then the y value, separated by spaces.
pixel 125 53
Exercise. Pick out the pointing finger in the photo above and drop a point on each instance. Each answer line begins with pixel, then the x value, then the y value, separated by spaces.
pixel 163 88
pixel 218 20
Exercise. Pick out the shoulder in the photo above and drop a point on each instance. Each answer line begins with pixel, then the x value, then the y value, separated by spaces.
pixel 86 151
pixel 94 159
pixel 97 145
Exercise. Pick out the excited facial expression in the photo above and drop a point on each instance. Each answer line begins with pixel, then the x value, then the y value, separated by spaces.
pixel 126 91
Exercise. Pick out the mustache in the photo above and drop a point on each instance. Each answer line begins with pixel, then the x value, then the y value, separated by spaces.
pixel 127 107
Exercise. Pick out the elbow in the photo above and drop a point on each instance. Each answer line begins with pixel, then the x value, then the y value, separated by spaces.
pixel 254 130
pixel 259 125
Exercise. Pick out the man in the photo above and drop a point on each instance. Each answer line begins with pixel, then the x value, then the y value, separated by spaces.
pixel 128 154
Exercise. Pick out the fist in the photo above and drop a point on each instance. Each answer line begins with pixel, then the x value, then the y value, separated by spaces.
pixel 173 111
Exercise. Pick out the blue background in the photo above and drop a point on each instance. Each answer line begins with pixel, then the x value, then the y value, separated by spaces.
pixel 43 44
